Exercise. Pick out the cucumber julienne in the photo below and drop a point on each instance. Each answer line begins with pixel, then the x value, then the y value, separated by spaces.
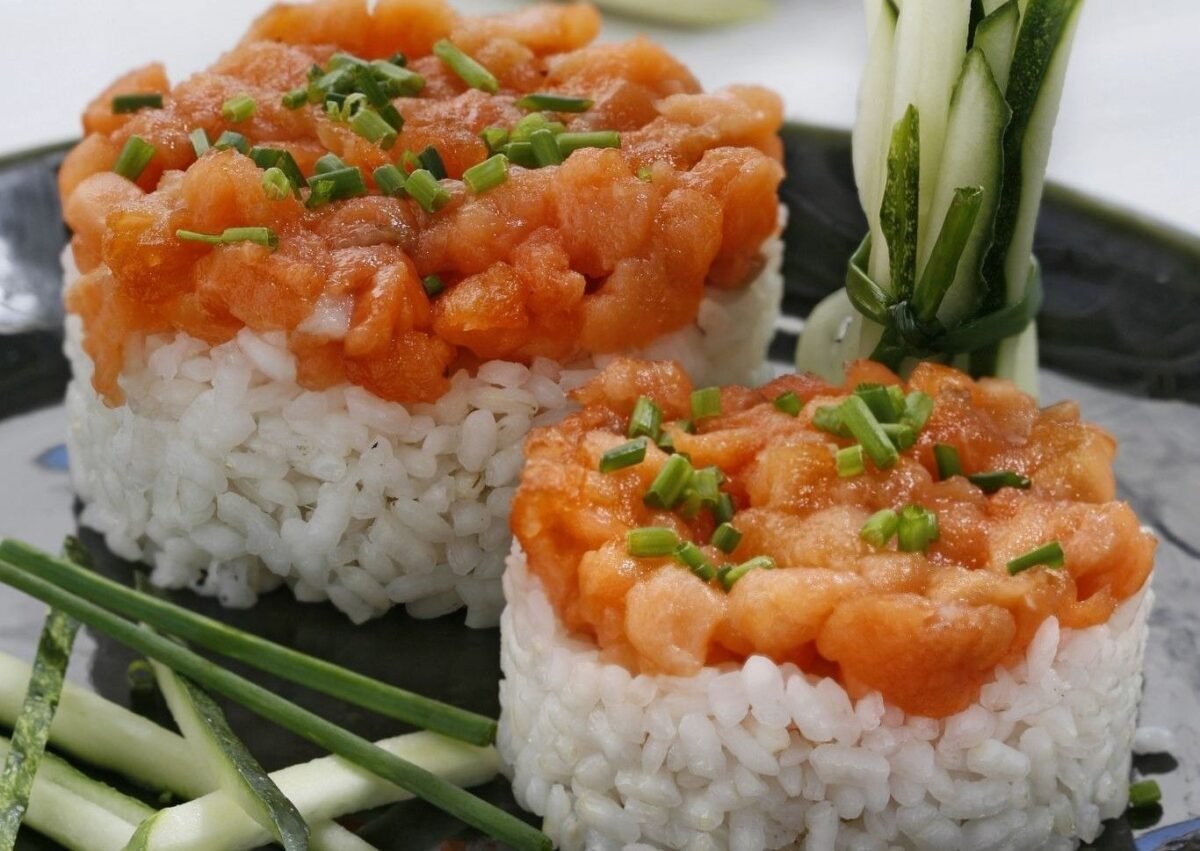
pixel 956 114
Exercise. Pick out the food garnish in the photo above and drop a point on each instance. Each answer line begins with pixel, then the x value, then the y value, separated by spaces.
pixel 134 158
pixel 1047 555
pixel 123 104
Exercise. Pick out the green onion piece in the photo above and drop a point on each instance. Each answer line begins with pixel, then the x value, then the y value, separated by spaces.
pixel 828 419
pixel 258 235
pixel 398 58
pixel 706 402
pixel 731 576
pixel 134 158
pixel 336 81
pixel 625 455
pixel 917 408
pixel 918 528
pixel 426 191
pixel 896 392
pixel 239 108
pixel 138 100
pixel 467 69
pixel 370 125
pixel 570 142
pixel 389 179
pixel 281 159
pixel 946 457
pixel 231 139
pixel 1144 793
pixel 524 129
pixel 880 401
pixel 432 284
pixel 726 537
pixel 850 461
pixel 901 435
pixel 335 186
pixel 487 175
pixel 645 173
pixel 665 442
pixel 521 153
pixel 692 557
pixel 296 98
pixel 646 419
pixel 431 161
pixel 554 103
pixel 993 481
pixel 494 139
pixel 704 490
pixel 392 116
pixel 397 80
pixel 342 58
pixel 330 162
pixel 867 431
pixel 367 83
pixel 880 527
pixel 669 485
pixel 1048 555
pixel 651 542
pixel 276 184
pixel 723 511
pixel 789 403
pixel 545 148
pixel 199 141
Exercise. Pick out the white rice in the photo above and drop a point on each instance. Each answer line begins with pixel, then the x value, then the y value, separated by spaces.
pixel 228 477
pixel 765 757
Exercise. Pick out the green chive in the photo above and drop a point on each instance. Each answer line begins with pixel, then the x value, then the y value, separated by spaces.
pixel 335 185
pixel 136 101
pixel 646 419
pixel 494 139
pixel 524 129
pixel 426 191
pixel 867 431
pixel 1047 555
pixel 731 576
pixel 880 528
pixel 280 159
pixel 554 103
pixel 901 435
pixel 651 542
pixel 258 235
pixel 389 179
pixel 467 69
pixel 570 142
pixel 397 80
pixel 342 58
pixel 706 486
pixel 946 457
pixel 239 108
pixel 367 83
pixel 231 139
pixel 370 125
pixel 726 537
pixel 896 392
pixel 917 408
pixel 723 511
pixel 880 401
pixel 692 557
pixel 433 285
pixel 789 403
pixel 645 173
pixel 993 481
pixel 1144 793
pixel 850 461
pixel 430 160
pixel 199 141
pixel 918 528
pixel 828 419
pixel 706 402
pixel 296 98
pixel 545 148
pixel 665 442
pixel 487 175
pixel 276 184
pixel 134 158
pixel 328 163
pixel 521 153
pixel 669 485
pixel 626 455
pixel 398 59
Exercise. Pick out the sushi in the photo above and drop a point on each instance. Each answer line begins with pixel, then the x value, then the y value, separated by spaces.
pixel 887 614
pixel 319 293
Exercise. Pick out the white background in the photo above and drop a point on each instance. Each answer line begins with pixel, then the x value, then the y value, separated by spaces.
pixel 1129 129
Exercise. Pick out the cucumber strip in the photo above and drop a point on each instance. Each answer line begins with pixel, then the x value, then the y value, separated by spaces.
pixel 61 773
pixel 996 36
pixel 834 334
pixel 688 13
pixel 331 836
pixel 867 137
pixel 952 239
pixel 32 728
pixel 898 213
pixel 229 762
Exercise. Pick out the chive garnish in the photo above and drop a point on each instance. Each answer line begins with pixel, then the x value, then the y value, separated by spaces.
pixel 545 148
pixel 341 58
pixel 645 173
pixel 239 108
pixel 880 528
pixel 706 402
pixel 723 511
pixel 731 576
pixel 994 480
pixel 335 185
pixel 646 419
pixel 901 435
pixel 692 557
pixel 329 162
pixel 850 461
pixel 521 153
pixel 789 403
pixel 280 159
pixel 524 129
pixel 862 424
pixel 1047 555
pixel 651 542
pixel 258 235
pixel 726 537
pixel 296 98
pixel 917 408
pixel 467 69
pixel 946 457
pixel 433 285
pixel 828 419
pixel 199 141
pixel 880 401
pixel 425 190
pixel 397 80
pixel 134 158
pixel 1144 793
pixel 669 485
pixel 389 179
pixel 275 184
pixel 494 139
pixel 918 528
pixel 626 455
pixel 232 139
pixel 705 487
pixel 554 103
pixel 487 175
pixel 370 125
pixel 430 160
pixel 570 142
pixel 135 101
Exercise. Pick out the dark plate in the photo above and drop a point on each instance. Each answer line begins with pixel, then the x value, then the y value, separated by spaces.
pixel 1120 331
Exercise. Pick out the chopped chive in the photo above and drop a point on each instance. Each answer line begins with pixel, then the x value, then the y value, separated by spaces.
pixel 570 142
pixel 545 148
pixel 901 435
pixel 706 486
pixel 726 537
pixel 665 442
pixel 880 528
pixel 239 108
pixel 554 103
pixel 1144 793
pixel 723 511
pixel 258 235
pixel 231 139
pixel 1047 555
pixel 296 98
pixel 135 101
pixel 994 480
pixel 431 161
pixel 134 158
pixel 389 179
pixel 917 408
pixel 706 402
pixel 467 69
pixel 370 125
pixel 850 461
pixel 433 285
pixel 399 59
pixel 336 185
pixel 789 403
pixel 524 129
pixel 692 557
pixel 946 457
pixel 669 485
pixel 651 542
pixel 896 392
pixel 494 139
pixel 410 162
pixel 880 401
pixel 367 84
pixel 199 141
pixel 487 175
pixel 918 528
pixel 392 116
pixel 828 419
pixel 335 81
pixel 521 153
pixel 280 159
pixel 342 58
pixel 645 173
pixel 646 419
pixel 626 455
pixel 867 431
pixel 730 577
pixel 397 80
pixel 330 162
pixel 276 184
pixel 426 191
pixel 686 426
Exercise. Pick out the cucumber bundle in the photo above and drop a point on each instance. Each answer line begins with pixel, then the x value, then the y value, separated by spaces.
pixel 955 117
